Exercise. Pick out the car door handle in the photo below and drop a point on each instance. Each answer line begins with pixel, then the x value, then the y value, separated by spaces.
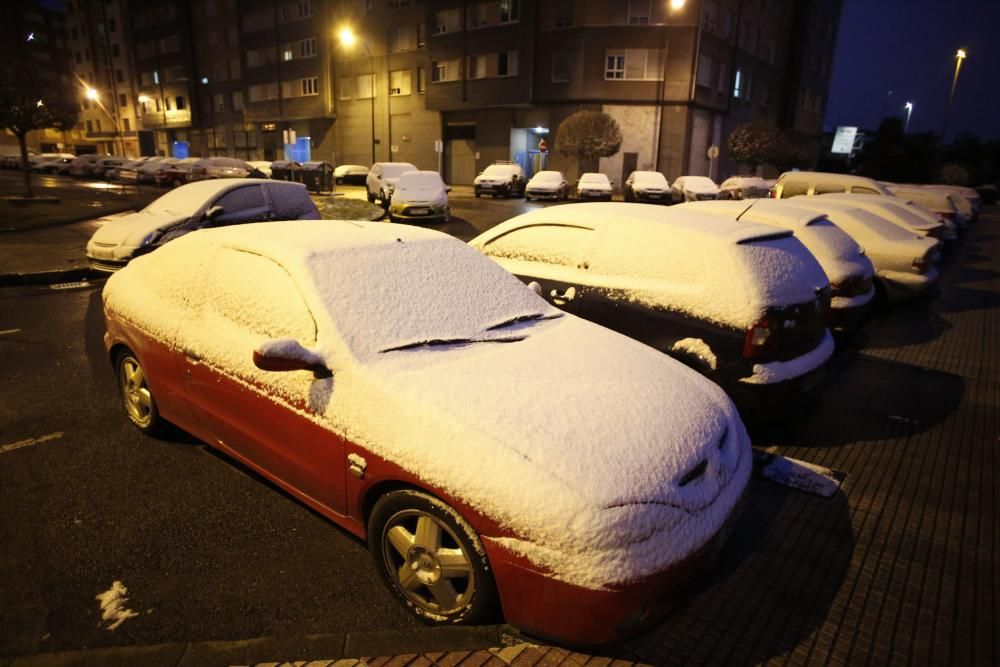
pixel 560 299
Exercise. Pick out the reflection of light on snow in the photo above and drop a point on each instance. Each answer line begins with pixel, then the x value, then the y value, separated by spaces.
pixel 102 186
pixel 113 609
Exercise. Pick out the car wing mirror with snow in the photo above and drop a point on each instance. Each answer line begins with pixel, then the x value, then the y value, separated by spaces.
pixel 535 287
pixel 447 188
pixel 214 212
pixel 287 354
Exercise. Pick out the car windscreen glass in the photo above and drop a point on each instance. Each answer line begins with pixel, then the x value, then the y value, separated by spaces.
pixel 419 182
pixel 548 177
pixel 650 179
pixel 497 171
pixel 396 170
pixel 176 202
pixel 595 179
pixel 459 294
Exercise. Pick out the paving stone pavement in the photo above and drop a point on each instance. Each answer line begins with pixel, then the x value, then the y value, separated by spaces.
pixel 898 568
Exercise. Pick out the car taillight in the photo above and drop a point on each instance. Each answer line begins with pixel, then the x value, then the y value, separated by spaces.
pixel 771 194
pixel 761 338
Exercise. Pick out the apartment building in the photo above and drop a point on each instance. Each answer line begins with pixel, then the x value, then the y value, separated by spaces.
pixel 38 38
pixel 498 76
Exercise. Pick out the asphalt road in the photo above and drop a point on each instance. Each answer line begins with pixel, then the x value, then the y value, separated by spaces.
pixel 206 549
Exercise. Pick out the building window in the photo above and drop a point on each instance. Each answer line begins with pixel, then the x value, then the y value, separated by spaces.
pixel 477 67
pixel 614 65
pixel 399 82
pixel 723 83
pixel 126 125
pixel 402 38
pixel 115 51
pixel 237 100
pixel 710 17
pixel 263 91
pixel 633 65
pixel 507 63
pixel 260 57
pixel 119 76
pixel 174 73
pixel 765 97
pixel 122 101
pixel 560 66
pixel 159 105
pixel 444 70
pixel 112 25
pixel 421 35
pixel 510 11
pixel 396 4
pixel 638 12
pixel 307 47
pixel 219 102
pixel 365 86
pixel 738 83
pixel 563 13
pixel 447 21
pixel 769 50
pixel 704 77
pixel 310 86
pixel 728 20
pixel 477 15
pixel 234 68
pixel 344 91
pixel 421 80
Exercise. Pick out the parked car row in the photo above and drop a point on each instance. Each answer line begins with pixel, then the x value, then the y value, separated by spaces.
pixel 597 361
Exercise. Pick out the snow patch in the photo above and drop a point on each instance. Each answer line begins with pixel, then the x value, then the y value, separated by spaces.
pixel 697 347
pixel 800 475
pixel 779 371
pixel 113 609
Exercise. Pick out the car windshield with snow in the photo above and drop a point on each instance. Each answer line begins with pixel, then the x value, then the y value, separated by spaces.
pixel 286 345
pixel 593 186
pixel 419 195
pixel 743 303
pixel 693 188
pixel 650 187
pixel 547 185
pixel 209 203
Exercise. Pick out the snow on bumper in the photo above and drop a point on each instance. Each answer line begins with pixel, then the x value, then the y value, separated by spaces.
pixel 780 371
pixel 845 302
pixel 901 286
pixel 654 535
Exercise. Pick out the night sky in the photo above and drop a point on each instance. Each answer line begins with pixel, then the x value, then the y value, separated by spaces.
pixel 908 47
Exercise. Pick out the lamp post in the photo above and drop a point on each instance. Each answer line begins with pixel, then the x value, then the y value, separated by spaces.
pixel 92 95
pixel 960 55
pixel 672 7
pixel 348 39
pixel 909 109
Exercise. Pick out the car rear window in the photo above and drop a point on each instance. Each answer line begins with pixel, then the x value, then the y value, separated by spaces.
pixel 498 170
pixel 550 244
pixel 793 188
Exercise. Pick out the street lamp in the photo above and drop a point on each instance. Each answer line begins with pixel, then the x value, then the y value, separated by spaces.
pixel 672 7
pixel 91 93
pixel 909 109
pixel 348 39
pixel 960 55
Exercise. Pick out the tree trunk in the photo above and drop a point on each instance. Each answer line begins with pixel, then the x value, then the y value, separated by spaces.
pixel 22 139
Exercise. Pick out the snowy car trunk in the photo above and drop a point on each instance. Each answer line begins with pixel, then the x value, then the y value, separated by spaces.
pixel 848 270
pixel 725 297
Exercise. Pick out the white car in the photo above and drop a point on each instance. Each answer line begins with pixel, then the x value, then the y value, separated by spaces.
pixel 850 273
pixel 547 185
pixel 263 166
pixel 486 446
pixel 897 211
pixel 49 163
pixel 693 188
pixel 107 166
pixel 209 203
pixel 796 183
pixel 938 202
pixel 147 170
pixel 83 165
pixel 381 180
pixel 594 186
pixel 350 173
pixel 501 179
pixel 743 187
pixel 420 195
pixel 904 260
pixel 648 187
pixel 218 167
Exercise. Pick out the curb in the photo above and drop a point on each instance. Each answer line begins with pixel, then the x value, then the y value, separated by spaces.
pixel 322 649
pixel 46 277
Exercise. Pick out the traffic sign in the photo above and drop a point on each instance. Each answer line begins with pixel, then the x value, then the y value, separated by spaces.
pixel 543 145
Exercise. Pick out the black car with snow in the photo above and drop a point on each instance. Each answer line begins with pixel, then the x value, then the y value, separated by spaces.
pixel 745 304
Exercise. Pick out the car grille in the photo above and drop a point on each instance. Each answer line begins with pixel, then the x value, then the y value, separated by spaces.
pixel 105 265
pixel 705 197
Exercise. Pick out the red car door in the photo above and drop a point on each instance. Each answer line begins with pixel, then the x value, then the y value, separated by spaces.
pixel 270 420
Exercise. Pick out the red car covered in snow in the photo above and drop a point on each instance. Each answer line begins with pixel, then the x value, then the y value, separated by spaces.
pixel 496 454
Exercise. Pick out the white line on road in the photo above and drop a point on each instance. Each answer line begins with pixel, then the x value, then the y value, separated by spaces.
pixel 8 331
pixel 30 441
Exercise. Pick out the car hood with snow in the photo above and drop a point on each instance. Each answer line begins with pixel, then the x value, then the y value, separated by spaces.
pixel 420 187
pixel 547 181
pixel 649 180
pixel 609 461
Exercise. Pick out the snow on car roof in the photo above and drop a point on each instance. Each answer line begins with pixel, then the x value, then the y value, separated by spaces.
pixel 595 214
pixel 548 176
pixel 594 177
pixel 589 491
pixel 649 178
pixel 697 183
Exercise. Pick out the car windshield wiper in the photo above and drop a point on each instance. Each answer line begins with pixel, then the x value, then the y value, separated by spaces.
pixel 434 342
pixel 524 318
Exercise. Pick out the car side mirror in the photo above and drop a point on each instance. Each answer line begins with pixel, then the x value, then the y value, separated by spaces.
pixel 447 188
pixel 214 212
pixel 535 287
pixel 286 354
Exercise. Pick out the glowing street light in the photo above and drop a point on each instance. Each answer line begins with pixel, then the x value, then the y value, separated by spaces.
pixel 143 99
pixel 909 109
pixel 348 39
pixel 676 5
pixel 90 93
pixel 960 55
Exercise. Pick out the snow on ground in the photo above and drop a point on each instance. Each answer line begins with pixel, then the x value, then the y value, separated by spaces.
pixel 113 609
pixel 585 434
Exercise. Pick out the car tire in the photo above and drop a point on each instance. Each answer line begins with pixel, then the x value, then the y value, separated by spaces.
pixel 527 198
pixel 410 532
pixel 477 194
pixel 371 197
pixel 137 399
